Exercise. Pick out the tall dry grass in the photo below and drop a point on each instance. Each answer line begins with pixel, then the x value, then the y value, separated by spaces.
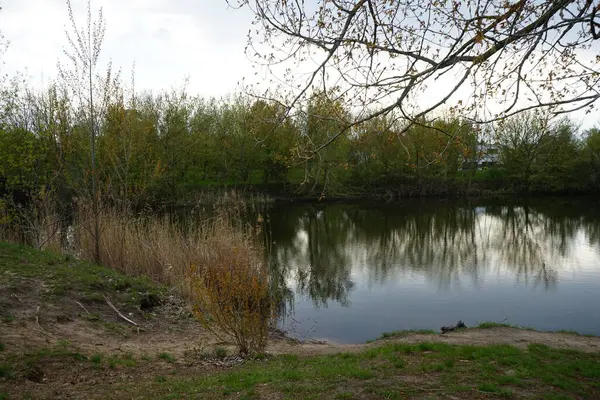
pixel 162 248
pixel 37 224
pixel 218 265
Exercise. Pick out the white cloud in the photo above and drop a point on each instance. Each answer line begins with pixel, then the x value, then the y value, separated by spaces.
pixel 168 40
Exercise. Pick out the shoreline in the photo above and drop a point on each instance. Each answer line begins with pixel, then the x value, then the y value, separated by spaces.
pixel 60 338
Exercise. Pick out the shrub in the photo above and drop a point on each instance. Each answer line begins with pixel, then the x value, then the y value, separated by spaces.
pixel 229 287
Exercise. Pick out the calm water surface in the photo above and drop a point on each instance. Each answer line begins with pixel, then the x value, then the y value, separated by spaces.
pixel 352 272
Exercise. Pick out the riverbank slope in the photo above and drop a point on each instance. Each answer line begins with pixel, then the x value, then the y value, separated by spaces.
pixel 69 329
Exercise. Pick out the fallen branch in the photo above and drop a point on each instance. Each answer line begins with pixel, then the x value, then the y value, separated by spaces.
pixel 118 312
pixel 17 297
pixel 37 321
pixel 81 305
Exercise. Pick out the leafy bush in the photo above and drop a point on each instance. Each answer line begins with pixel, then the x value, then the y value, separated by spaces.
pixel 229 287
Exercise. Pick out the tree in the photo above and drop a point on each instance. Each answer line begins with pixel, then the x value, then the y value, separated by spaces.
pixel 90 89
pixel 538 153
pixel 273 140
pixel 322 119
pixel 403 55
pixel 591 155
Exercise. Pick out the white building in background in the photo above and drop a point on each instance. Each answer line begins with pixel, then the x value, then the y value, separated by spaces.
pixel 486 155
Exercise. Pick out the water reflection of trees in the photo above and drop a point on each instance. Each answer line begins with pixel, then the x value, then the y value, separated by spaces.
pixel 317 249
pixel 314 254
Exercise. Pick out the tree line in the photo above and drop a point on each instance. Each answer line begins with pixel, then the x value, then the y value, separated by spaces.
pixel 167 147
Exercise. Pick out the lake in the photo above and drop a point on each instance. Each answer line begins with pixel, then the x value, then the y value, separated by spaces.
pixel 354 271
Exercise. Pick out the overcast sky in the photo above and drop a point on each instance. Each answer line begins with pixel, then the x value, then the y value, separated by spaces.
pixel 167 39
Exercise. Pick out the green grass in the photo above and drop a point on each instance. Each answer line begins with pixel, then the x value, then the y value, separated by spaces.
pixel 166 357
pixel 394 334
pixel 403 371
pixel 6 371
pixel 386 370
pixel 96 359
pixel 491 324
pixel 64 276
pixel 220 352
pixel 125 360
pixel 572 332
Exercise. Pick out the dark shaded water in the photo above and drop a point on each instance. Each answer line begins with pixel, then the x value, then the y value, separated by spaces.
pixel 355 271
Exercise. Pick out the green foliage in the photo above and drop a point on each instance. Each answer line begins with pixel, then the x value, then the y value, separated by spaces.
pixel 125 360
pixel 489 324
pixel 166 357
pixel 96 359
pixel 220 352
pixel 399 370
pixel 540 155
pixel 5 371
pixel 387 335
pixel 167 147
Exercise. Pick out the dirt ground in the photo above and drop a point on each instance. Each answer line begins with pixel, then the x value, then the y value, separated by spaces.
pixel 70 330
pixel 180 336
pixel 90 326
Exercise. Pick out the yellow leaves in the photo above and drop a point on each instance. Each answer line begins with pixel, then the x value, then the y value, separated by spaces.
pixel 157 168
pixel 231 293
pixel 479 37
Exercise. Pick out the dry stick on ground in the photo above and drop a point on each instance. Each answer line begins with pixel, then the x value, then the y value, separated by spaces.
pixel 81 305
pixel 17 297
pixel 118 312
pixel 37 321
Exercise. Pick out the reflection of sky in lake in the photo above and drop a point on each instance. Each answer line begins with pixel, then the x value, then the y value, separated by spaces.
pixel 357 271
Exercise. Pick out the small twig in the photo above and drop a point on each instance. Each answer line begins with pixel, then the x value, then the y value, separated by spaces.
pixel 17 297
pixel 118 312
pixel 81 305
pixel 37 321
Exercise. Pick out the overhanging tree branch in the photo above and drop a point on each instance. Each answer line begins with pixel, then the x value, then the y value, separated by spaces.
pixel 413 57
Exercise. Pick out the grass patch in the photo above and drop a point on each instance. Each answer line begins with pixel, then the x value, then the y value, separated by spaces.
pixel 166 357
pixel 92 317
pixel 96 359
pixel 390 370
pixel 125 360
pixel 405 371
pixel 490 324
pixel 6 371
pixel 67 277
pixel 493 388
pixel 387 335
pixel 572 332
pixel 220 352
